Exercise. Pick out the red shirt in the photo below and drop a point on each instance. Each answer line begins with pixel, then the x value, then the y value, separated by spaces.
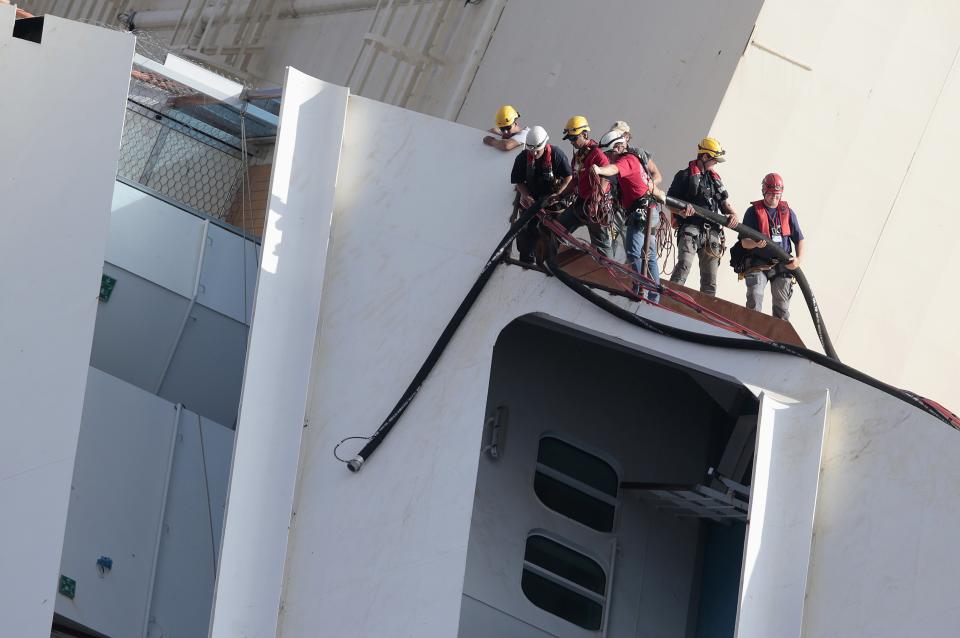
pixel 582 168
pixel 633 183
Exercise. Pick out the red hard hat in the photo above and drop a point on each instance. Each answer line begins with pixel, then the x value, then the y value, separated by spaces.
pixel 772 183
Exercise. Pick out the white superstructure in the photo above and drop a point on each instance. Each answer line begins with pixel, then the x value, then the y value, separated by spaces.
pixel 533 487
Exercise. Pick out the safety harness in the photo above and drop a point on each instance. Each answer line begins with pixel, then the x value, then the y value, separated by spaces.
pixel 547 172
pixel 783 214
pixel 745 261
pixel 708 190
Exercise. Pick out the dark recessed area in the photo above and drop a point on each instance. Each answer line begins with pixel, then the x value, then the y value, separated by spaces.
pixel 28 29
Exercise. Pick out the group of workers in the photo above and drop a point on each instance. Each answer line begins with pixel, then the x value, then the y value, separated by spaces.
pixel 613 189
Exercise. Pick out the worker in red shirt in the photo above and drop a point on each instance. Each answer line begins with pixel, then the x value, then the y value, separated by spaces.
pixel 593 206
pixel 638 195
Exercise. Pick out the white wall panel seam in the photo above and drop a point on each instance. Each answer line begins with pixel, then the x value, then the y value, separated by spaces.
pixel 175 433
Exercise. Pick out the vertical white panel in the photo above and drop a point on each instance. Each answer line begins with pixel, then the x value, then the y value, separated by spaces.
pixel 279 358
pixel 59 140
pixel 230 263
pixel 786 477
pixel 183 590
pixel 218 450
pixel 154 239
pixel 118 488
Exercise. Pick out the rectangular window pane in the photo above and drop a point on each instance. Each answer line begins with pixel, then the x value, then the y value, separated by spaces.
pixel 561 602
pixel 578 464
pixel 573 503
pixel 566 563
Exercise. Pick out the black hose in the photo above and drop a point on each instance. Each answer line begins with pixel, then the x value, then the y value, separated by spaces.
pixel 587 293
pixel 495 258
pixel 734 342
pixel 780 254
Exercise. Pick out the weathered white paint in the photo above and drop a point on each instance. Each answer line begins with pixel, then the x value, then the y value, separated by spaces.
pixel 661 66
pixel 56 177
pixel 383 552
pixel 783 497
pixel 884 76
pixel 808 101
pixel 275 387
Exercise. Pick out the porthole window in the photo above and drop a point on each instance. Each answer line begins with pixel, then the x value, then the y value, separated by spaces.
pixel 576 484
pixel 564 582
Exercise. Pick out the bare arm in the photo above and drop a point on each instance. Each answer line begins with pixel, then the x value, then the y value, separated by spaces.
pixel 794 263
pixel 607 171
pixel 654 172
pixel 525 198
pixel 732 218
pixel 503 145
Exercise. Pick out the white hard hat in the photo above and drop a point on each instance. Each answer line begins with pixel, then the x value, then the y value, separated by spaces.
pixel 611 139
pixel 620 125
pixel 536 138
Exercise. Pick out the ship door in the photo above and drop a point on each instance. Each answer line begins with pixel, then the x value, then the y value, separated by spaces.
pixel 561 541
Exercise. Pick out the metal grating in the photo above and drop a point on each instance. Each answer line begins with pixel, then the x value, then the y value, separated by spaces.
pixel 724 501
pixel 699 501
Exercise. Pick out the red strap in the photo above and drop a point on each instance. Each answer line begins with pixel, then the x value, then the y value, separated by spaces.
pixel 783 210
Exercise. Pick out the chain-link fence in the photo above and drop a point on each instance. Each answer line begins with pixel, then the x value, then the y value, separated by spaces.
pixel 177 155
pixel 181 162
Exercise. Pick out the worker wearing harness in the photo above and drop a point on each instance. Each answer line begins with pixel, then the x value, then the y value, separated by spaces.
pixel 541 170
pixel 646 160
pixel 700 185
pixel 638 195
pixel 774 218
pixel 593 206
pixel 507 135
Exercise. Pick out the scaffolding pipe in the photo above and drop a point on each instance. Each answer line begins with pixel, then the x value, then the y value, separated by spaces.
pixel 168 18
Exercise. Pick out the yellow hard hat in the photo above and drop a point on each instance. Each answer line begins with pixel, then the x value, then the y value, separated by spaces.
pixel 575 126
pixel 711 147
pixel 506 116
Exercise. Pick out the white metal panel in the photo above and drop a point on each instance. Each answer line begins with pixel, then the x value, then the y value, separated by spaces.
pixel 183 591
pixel 228 275
pixel 382 552
pixel 279 359
pixel 881 72
pixel 119 485
pixel 406 247
pixel 58 159
pixel 136 328
pixel 783 498
pixel 482 621
pixel 154 240
pixel 661 66
pixel 206 371
pixel 218 450
pixel 885 561
pixel 402 255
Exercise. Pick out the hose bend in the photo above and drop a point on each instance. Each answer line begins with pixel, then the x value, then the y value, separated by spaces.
pixel 745 231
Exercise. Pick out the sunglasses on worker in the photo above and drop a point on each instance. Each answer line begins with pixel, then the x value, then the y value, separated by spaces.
pixel 505 129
